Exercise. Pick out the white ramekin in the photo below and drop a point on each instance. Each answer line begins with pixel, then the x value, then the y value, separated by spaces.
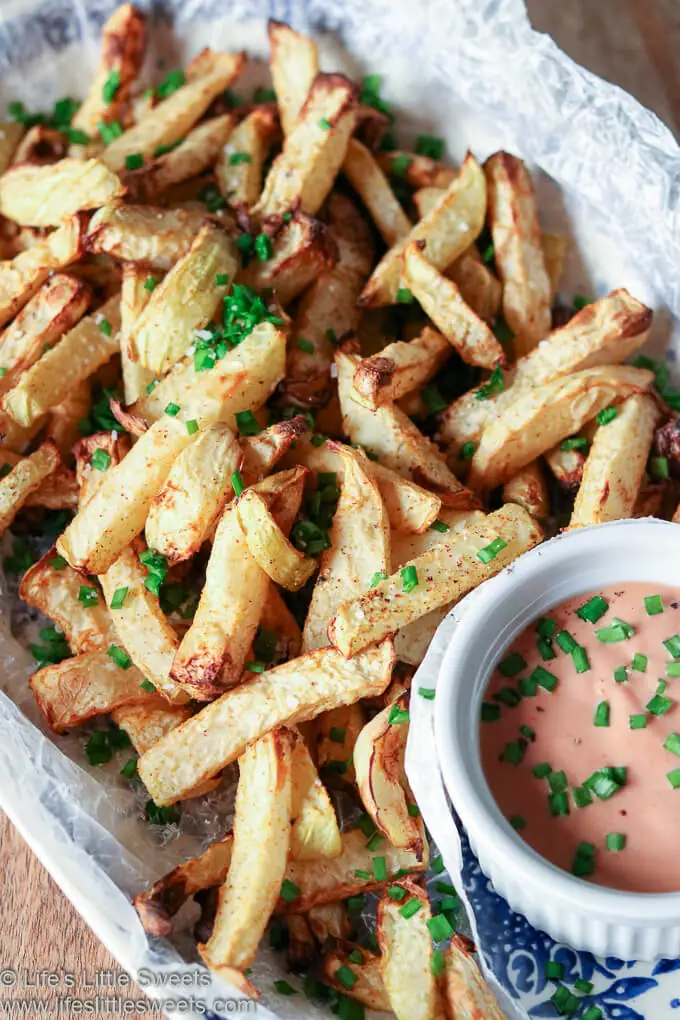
pixel 634 926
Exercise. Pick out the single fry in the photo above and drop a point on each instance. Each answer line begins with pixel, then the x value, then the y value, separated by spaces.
pixel 466 993
pixel 567 466
pixel 478 287
pixel 391 436
pixel 368 180
pixel 21 277
pixel 240 381
pixel 240 161
pixel 406 948
pixel 174 116
pixel 605 332
pixel 83 350
pixel 185 301
pixel 44 196
pixel 259 852
pixel 55 309
pixel 400 368
pixel 528 488
pixel 442 301
pixel 11 133
pixel 545 415
pixel 54 591
pixel 268 545
pixel 313 151
pixel 147 722
pixel 261 452
pixel 447 230
pixel 379 763
pixel 314 829
pixel 615 465
pixel 155 237
pixel 328 309
pixel 555 248
pixel 444 573
pixel 518 250
pixel 163 899
pixel 360 546
pixel 303 249
pixel 294 64
pixel 134 297
pixel 286 695
pixel 122 49
pixel 194 493
pixel 117 511
pixel 195 154
pixel 80 688
pixel 24 479
pixel 327 881
pixel 368 987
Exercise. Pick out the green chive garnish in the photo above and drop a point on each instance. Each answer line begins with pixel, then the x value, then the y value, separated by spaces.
pixel 119 597
pixel 240 157
pixel 606 415
pixel 88 596
pixel 581 796
pixel 637 721
pixel 672 646
pixel 544 678
pixel 593 609
pixel 491 551
pixel 437 963
pixel 554 971
pixel 441 526
pixel 289 891
pixel 101 460
pixel 546 627
pixel 467 451
pixel 584 861
pixel 379 576
pixel 639 662
pixel 151 283
pixel 566 641
pixel 672 743
pixel 558 804
pixel 610 635
pixel 409 579
pixel 518 823
pixel 325 124
pixel 616 841
pixel 147 686
pixel 427 692
pixel 674 778
pixel 574 443
pixel 411 907
pixel 602 714
pixel 558 782
pixel 237 483
pixel 542 770
pixel 439 928
pixel 546 649
pixel 134 161
pixel 653 605
pixel 490 713
pixel 305 345
pixel 110 87
pixel 172 410
pixel 659 705
pixel 620 675
pixel 512 665
pixel 405 296
pixel 119 656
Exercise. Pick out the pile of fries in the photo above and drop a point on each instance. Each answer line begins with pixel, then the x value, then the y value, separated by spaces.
pixel 275 476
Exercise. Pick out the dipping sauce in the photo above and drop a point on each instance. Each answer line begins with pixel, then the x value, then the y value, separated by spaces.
pixel 580 737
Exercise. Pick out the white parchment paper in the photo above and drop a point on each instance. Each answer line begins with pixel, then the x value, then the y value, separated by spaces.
pixel 472 71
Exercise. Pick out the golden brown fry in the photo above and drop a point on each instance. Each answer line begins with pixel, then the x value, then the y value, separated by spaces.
pixel 146 723
pixel 370 183
pixel 163 899
pixel 239 166
pixel 185 301
pixel 24 479
pixel 379 762
pixel 196 153
pixel 56 308
pixel 294 64
pixel 268 545
pixel 314 150
pixel 420 172
pixel 518 250
pixel 21 277
pixel 44 196
pixel 566 466
pixel 303 249
pixel 605 332
pixel 240 381
pixel 117 511
pixel 446 572
pixel 87 685
pixel 62 426
pixel 555 247
pixel 328 309
pixel 478 287
pixel 134 297
pixel 261 452
pixel 173 117
pixel 406 949
pixel 286 695
pixel 258 859
pixel 528 488
pixel 400 368
pixel 90 478
pixel 314 829
pixel 368 987
pixel 11 133
pixel 122 51
pixel 83 350
pixel 615 466
pixel 544 415
pixel 333 754
pixel 54 591
pixel 360 546
pixel 448 229
pixel 388 434
pixel 329 920
pixel 193 495
pixel 441 299
pixel 326 881
pixel 59 491
pixel 156 237
pixel 466 994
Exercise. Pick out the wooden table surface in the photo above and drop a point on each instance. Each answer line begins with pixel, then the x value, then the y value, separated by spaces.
pixel 635 43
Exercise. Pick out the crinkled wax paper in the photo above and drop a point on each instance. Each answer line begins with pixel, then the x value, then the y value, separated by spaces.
pixel 473 71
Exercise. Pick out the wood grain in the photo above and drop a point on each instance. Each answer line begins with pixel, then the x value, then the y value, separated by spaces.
pixel 634 43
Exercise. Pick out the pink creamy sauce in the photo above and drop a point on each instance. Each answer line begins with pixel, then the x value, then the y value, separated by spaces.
pixel 646 810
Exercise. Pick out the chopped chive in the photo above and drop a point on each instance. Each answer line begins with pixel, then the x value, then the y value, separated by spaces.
pixel 491 551
pixel 653 605
pixel 239 157
pixel 527 687
pixel 490 713
pixel 58 562
pixel 119 656
pixel 118 599
pixel 659 705
pixel 437 963
pixel 325 124
pixel 337 735
pixel 152 385
pixel 637 721
pixel 673 669
pixel 105 327
pixel 411 907
pixel 437 865
pixel 147 686
pixel 255 666
pixel 583 986
pixel 512 665
pixel 441 526
pixel 527 732
pixel 405 296
pixel 192 427
pixel 345 976
pixel 544 678
pixel 439 928
pixel 129 769
pixel 581 796
pixel 554 971
pixel 88 596
pixel 593 609
pixel 409 579
pixel 602 713
pixel 364 875
pixel 379 576
pixel 134 161
pixel 594 1013
pixel 289 891
pixel 518 823
pixel 374 842
pixel 584 860
pixel 580 301
pixel 661 687
pixel 467 451
pixel 616 841
pixel 546 649
pixel 658 467
pixel 172 410
pixel 433 399
pixel 172 81
pixel 513 752
pixel 564 1002
pixel 150 283
pixel 264 248
pixel 672 743
pixel 620 675
pixel 305 345
pixel 558 782
pixel 507 696
pixel 542 770
pixel 110 87
pixel 247 423
pixel 395 892
pixel 566 641
pixel 627 627
pixel 604 783
pixel 606 415
pixel 672 646
pixel 558 803
pixel 611 635
pixel 413 810
pixel 639 662
pixel 494 384
pixel 430 146
pixel 398 715
pixel 101 460
pixel 427 692
pixel 222 279
pixel 546 627
pixel 580 659
pixel 283 988
pixel 237 483
pixel 574 443
pixel 674 778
